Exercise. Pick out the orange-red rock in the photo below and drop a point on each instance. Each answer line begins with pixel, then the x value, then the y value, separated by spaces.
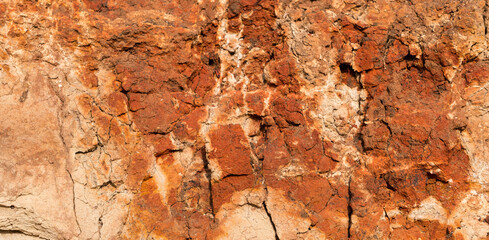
pixel 244 119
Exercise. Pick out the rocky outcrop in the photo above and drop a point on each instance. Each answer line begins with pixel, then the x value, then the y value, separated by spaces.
pixel 244 119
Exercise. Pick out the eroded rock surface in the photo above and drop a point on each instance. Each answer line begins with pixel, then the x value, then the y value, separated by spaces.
pixel 244 119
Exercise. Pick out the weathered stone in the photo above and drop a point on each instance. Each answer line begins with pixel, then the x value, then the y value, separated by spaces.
pixel 241 119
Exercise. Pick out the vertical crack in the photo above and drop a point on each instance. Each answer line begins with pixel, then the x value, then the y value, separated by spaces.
pixel 74 206
pixel 350 209
pixel 484 19
pixel 271 220
pixel 208 174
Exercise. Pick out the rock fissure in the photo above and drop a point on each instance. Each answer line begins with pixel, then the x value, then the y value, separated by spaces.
pixel 349 209
pixel 74 202
pixel 208 175
pixel 271 220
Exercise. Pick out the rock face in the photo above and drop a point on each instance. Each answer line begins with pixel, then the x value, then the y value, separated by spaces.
pixel 244 119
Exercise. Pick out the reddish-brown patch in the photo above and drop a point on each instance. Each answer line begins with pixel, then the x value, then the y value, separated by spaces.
pixel 117 103
pixel 476 73
pixel 157 117
pixel 230 150
pixel 396 52
pixel 224 189
pixel 287 110
pixel 368 57
pixel 150 209
pixel 256 102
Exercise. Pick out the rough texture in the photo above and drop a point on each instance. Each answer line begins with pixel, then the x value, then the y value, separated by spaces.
pixel 244 119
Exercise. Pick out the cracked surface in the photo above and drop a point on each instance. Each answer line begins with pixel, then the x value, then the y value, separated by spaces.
pixel 244 119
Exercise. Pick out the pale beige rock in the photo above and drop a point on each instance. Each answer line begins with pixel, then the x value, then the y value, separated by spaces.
pixel 247 222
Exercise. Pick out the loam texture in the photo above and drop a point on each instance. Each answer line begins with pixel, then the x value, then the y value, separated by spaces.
pixel 244 119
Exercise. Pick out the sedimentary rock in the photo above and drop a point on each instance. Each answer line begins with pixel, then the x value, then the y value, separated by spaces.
pixel 244 119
